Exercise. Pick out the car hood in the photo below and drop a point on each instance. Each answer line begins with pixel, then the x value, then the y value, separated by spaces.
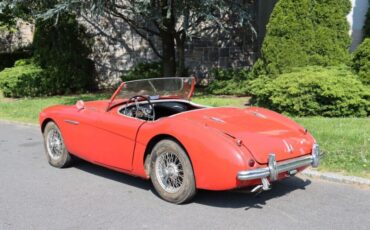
pixel 261 131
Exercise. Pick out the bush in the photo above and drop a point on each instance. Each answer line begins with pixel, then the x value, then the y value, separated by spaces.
pixel 144 71
pixel 361 61
pixel 313 91
pixel 22 62
pixel 7 60
pixel 62 50
pixel 229 82
pixel 22 80
pixel 305 32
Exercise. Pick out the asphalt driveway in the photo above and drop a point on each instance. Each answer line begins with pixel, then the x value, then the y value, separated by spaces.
pixel 34 195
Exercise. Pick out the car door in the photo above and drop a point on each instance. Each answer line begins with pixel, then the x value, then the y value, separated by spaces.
pixel 115 138
pixel 78 130
pixel 101 137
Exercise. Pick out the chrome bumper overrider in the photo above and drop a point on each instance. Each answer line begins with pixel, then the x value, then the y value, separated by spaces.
pixel 275 168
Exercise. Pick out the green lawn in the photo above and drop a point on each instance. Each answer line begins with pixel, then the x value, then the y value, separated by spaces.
pixel 27 110
pixel 346 141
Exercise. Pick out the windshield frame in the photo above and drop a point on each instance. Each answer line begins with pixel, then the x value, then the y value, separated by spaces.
pixel 111 103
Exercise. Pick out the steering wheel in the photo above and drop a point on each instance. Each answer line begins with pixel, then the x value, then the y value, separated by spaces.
pixel 148 113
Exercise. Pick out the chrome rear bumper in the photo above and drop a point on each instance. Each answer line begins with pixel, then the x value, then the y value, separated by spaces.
pixel 275 168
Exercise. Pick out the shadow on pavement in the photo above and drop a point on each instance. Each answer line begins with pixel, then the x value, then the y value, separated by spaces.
pixel 112 175
pixel 221 199
pixel 240 199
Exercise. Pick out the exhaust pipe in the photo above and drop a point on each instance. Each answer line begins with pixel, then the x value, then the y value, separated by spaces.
pixel 262 187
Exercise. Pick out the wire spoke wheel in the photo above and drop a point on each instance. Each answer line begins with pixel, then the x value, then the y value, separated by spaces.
pixel 169 171
pixel 54 144
pixel 55 149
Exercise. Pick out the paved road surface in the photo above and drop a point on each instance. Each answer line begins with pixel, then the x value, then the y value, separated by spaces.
pixel 34 195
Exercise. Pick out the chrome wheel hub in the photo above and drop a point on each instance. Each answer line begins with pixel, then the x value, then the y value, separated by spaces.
pixel 54 144
pixel 169 171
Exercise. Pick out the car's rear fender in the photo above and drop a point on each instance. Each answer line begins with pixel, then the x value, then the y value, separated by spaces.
pixel 216 157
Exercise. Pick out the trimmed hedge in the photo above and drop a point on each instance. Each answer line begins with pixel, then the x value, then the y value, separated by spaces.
pixel 303 33
pixel 313 91
pixel 229 82
pixel 361 61
pixel 24 79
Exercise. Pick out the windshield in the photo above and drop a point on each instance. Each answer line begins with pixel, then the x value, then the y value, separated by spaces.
pixel 174 87
pixel 155 88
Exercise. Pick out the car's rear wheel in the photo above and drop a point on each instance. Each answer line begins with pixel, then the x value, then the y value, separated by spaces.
pixel 56 151
pixel 171 172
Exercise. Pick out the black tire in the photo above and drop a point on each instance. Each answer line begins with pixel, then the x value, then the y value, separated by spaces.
pixel 62 159
pixel 180 174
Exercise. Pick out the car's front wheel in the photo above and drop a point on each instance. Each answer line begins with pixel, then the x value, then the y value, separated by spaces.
pixel 56 151
pixel 171 172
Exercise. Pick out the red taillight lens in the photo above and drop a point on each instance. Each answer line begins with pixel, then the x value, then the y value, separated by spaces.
pixel 251 163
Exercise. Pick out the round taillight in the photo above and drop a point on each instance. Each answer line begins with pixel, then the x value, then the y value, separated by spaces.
pixel 251 163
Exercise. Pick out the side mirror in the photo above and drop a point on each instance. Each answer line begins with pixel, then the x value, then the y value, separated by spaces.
pixel 80 105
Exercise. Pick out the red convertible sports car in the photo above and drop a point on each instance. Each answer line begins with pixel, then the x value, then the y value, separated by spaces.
pixel 151 129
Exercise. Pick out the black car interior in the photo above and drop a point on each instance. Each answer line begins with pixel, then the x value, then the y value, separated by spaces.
pixel 153 110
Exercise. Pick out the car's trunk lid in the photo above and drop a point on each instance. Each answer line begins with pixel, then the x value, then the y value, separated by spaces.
pixel 261 134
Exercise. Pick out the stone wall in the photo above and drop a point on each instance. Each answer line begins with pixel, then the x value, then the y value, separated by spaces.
pixel 117 48
pixel 204 54
pixel 15 38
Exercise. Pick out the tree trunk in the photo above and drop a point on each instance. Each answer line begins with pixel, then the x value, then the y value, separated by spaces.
pixel 180 46
pixel 168 39
pixel 168 54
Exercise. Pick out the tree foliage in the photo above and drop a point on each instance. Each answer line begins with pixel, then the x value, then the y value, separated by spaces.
pixel 6 17
pixel 361 61
pixel 172 22
pixel 62 50
pixel 60 63
pixel 305 32
pixel 11 10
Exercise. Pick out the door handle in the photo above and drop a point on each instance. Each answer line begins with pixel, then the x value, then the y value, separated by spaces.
pixel 72 122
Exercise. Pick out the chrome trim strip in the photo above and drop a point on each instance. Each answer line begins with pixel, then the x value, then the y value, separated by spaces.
pixel 275 168
pixel 72 122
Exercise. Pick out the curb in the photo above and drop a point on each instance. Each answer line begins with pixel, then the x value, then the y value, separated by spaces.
pixel 335 177
pixel 18 123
